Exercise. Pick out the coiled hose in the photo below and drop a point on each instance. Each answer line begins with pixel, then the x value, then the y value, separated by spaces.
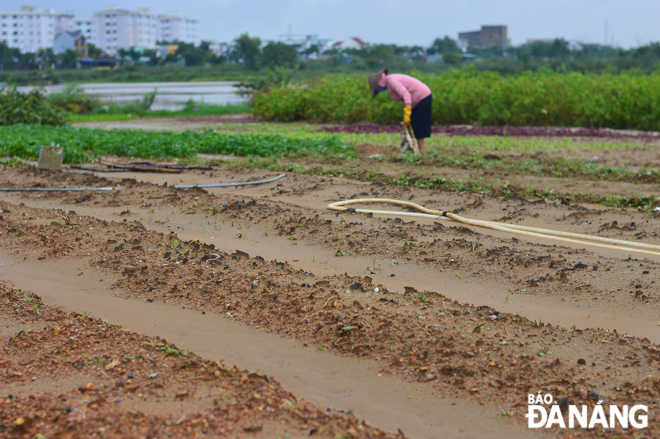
pixel 576 238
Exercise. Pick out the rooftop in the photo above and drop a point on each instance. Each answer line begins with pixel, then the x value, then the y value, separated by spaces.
pixel 31 10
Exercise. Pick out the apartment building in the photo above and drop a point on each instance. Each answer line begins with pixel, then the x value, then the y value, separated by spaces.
pixel 174 27
pixel 63 23
pixel 31 29
pixel 86 27
pixel 111 29
pixel 116 28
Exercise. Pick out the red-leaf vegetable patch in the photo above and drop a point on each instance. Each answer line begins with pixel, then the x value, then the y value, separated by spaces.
pixel 474 130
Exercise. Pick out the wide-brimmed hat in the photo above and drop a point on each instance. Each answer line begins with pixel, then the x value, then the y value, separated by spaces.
pixel 373 81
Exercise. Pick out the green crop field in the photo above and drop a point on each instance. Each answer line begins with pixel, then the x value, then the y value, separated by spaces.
pixel 85 145
pixel 628 100
pixel 467 144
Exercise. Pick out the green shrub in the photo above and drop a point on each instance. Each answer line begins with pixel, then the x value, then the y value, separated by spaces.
pixel 628 100
pixel 283 104
pixel 28 108
pixel 74 100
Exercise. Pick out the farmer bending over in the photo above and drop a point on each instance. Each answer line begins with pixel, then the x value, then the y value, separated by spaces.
pixel 416 97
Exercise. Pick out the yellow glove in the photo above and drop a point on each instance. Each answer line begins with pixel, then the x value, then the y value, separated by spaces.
pixel 407 111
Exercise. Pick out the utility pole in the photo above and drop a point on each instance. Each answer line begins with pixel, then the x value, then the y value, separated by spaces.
pixel 606 39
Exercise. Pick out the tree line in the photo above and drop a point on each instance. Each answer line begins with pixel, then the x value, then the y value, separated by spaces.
pixel 253 54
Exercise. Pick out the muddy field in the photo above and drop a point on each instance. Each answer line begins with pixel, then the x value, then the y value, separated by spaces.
pixel 419 328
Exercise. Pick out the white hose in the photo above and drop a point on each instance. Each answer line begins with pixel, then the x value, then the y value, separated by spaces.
pixel 578 238
pixel 244 183
pixel 80 189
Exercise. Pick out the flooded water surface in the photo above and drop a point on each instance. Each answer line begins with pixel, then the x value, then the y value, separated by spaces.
pixel 170 95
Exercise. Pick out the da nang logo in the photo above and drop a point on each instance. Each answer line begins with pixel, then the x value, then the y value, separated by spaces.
pixel 539 416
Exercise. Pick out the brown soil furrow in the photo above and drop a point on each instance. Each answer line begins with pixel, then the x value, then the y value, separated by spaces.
pixel 473 352
pixel 78 376
pixel 575 286
pixel 343 384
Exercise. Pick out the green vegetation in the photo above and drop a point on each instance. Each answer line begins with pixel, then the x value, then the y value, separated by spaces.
pixel 444 144
pixel 102 117
pixel 165 73
pixel 73 99
pixel 246 57
pixel 279 55
pixel 193 109
pixel 84 145
pixel 28 108
pixel 41 60
pixel 131 112
pixel 274 147
pixel 247 49
pixel 545 98
pixel 556 167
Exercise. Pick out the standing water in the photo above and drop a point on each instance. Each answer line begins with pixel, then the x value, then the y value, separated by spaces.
pixel 170 95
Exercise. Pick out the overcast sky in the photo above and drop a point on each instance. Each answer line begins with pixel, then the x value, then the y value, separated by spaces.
pixel 406 22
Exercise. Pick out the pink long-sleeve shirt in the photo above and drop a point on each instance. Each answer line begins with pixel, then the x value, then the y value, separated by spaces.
pixel 404 88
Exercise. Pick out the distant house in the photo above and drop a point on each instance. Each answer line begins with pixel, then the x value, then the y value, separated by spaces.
pixel 349 43
pixel 532 41
pixel 436 57
pixel 102 62
pixel 167 49
pixel 488 36
pixel 71 40
pixel 221 49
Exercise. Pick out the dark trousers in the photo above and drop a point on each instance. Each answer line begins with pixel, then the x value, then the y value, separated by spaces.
pixel 421 118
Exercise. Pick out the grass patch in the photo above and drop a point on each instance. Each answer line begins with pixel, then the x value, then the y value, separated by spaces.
pixel 101 117
pixel 200 110
pixel 118 113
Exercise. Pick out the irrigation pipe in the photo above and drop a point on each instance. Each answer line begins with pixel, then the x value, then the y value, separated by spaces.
pixel 576 238
pixel 59 189
pixel 117 188
pixel 245 183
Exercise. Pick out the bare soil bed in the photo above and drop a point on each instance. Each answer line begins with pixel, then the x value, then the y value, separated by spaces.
pixel 478 317
pixel 68 375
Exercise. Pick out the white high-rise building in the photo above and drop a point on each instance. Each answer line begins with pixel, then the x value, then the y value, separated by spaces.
pixel 174 27
pixel 63 23
pixel 31 29
pixel 86 27
pixel 121 29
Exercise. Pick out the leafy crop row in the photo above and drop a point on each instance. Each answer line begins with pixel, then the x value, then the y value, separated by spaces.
pixel 84 145
pixel 628 100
